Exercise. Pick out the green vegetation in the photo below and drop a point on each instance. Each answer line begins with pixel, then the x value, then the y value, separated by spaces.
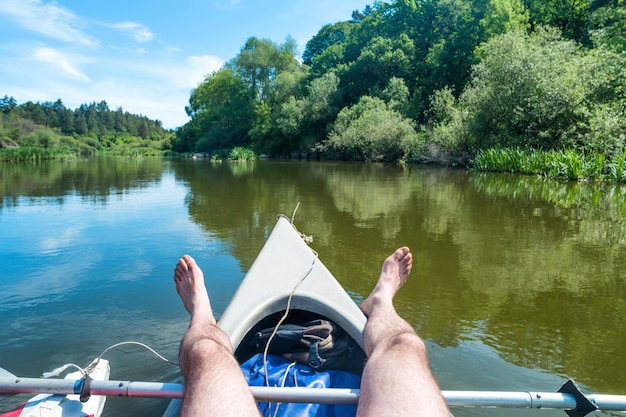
pixel 567 164
pixel 422 81
pixel 34 131
pixel 35 154
pixel 241 154
pixel 405 80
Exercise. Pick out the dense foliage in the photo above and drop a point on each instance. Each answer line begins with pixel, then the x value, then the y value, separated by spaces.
pixel 44 130
pixel 426 80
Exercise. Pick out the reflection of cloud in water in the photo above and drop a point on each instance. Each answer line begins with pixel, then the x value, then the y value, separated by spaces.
pixel 133 272
pixel 54 245
pixel 47 284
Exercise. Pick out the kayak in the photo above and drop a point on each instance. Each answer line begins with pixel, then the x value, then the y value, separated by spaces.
pixel 53 405
pixel 288 279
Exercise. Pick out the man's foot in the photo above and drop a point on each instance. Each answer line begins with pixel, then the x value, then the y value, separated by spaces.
pixel 395 271
pixel 189 280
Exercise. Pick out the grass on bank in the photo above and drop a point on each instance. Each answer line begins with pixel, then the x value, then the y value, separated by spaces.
pixel 567 164
pixel 35 154
pixel 241 154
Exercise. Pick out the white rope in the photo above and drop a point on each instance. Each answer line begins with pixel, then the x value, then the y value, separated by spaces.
pixel 282 385
pixel 60 369
pixel 143 345
pixel 89 368
pixel 284 317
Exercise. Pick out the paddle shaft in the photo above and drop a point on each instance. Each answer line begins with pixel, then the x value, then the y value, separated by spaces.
pixel 506 399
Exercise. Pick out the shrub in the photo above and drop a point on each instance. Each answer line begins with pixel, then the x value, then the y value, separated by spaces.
pixel 241 154
pixel 370 131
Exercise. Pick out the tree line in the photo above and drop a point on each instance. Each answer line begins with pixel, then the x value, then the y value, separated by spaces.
pixel 429 80
pixel 94 118
pixel 88 129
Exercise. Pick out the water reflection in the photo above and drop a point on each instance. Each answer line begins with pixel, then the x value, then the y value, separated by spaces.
pixel 96 178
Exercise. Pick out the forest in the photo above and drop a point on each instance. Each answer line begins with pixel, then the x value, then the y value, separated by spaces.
pixel 428 81
pixel 40 130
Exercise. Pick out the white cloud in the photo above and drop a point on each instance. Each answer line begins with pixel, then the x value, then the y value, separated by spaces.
pixel 138 31
pixel 197 68
pixel 159 89
pixel 48 19
pixel 56 59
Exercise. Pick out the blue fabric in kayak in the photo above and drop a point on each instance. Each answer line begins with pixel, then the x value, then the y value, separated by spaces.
pixel 299 375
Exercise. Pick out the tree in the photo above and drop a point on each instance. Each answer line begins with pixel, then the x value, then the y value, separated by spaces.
pixel 502 16
pixel 260 61
pixel 608 27
pixel 7 104
pixel 104 116
pixel 370 131
pixel 380 60
pixel 222 111
pixel 324 51
pixel 119 121
pixel 66 121
pixel 569 16
pixel 93 121
pixel 32 111
pixel 80 120
pixel 396 95
pixel 527 91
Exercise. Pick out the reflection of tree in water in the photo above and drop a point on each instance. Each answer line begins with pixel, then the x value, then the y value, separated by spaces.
pixel 373 195
pixel 549 260
pixel 94 178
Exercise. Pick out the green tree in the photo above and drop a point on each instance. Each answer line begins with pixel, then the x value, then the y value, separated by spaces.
pixel 527 91
pixel 93 121
pixel 66 121
pixel 502 16
pixel 608 27
pixel 569 16
pixel 80 121
pixel 325 50
pixel 370 131
pixel 7 104
pixel 396 95
pixel 222 111
pixel 381 59
pixel 32 111
pixel 260 61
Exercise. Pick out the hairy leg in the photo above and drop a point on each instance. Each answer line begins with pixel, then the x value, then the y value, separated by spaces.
pixel 397 379
pixel 214 384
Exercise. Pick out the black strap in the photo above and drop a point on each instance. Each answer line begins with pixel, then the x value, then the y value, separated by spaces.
pixel 583 405
pixel 85 393
pixel 315 360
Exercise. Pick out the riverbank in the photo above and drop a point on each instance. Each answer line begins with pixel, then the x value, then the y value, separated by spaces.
pixel 567 164
pixel 560 164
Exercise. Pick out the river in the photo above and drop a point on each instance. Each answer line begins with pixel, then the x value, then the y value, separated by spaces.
pixel 519 282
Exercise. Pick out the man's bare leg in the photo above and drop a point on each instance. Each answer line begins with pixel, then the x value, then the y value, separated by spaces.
pixel 214 384
pixel 397 379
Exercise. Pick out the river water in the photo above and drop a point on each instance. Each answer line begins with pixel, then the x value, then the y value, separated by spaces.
pixel 519 282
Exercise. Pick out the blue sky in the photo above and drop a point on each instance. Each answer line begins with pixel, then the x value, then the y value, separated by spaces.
pixel 143 56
